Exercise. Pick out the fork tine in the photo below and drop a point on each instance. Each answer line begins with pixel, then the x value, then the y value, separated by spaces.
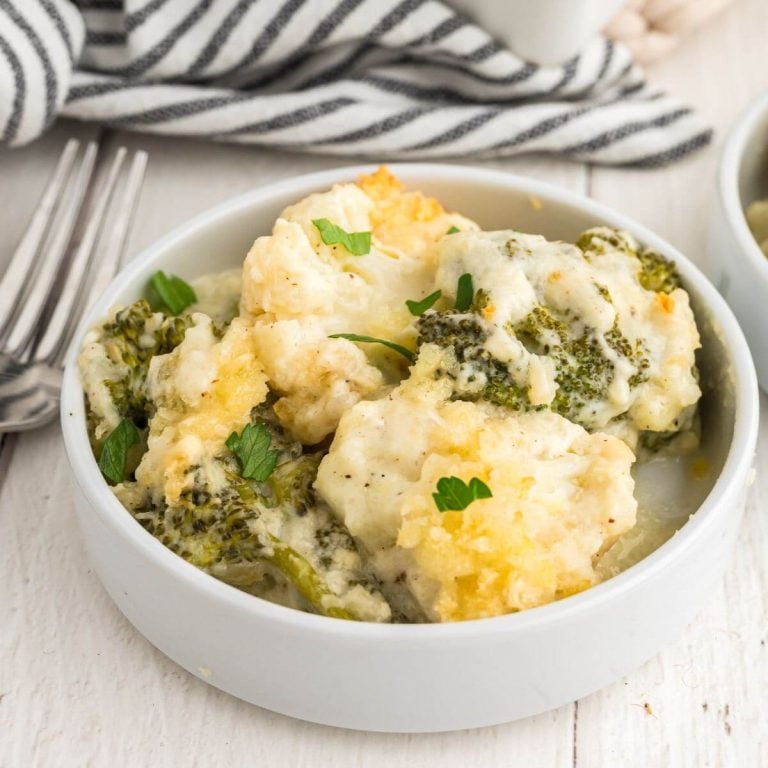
pixel 69 302
pixel 41 280
pixel 117 236
pixel 19 268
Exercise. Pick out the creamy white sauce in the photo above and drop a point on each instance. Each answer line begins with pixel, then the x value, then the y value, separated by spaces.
pixel 668 489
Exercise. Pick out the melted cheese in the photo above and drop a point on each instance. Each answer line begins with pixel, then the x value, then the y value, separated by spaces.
pixel 203 391
pixel 291 276
pixel 318 378
pixel 520 272
pixel 560 497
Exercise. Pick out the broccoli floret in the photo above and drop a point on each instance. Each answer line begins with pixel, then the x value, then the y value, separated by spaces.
pixel 234 529
pixel 131 340
pixel 224 534
pixel 657 273
pixel 291 483
pixel 600 240
pixel 584 368
pixel 583 375
pixel 585 345
pixel 540 330
pixel 465 335
pixel 502 390
pixel 332 537
pixel 653 442
pixel 227 534
pixel 464 332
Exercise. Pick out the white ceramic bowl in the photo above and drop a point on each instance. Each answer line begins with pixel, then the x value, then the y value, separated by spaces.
pixel 740 267
pixel 420 677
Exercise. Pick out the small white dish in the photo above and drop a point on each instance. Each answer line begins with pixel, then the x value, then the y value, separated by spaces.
pixel 430 677
pixel 740 268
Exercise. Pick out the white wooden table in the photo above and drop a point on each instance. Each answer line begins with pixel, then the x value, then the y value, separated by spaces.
pixel 80 687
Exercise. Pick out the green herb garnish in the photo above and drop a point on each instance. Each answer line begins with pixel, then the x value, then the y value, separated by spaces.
pixel 357 243
pixel 465 292
pixel 172 291
pixel 251 446
pixel 453 231
pixel 454 494
pixel 418 308
pixel 406 353
pixel 114 452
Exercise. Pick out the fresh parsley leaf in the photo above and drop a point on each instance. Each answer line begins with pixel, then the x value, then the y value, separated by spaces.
pixel 453 231
pixel 406 353
pixel 418 308
pixel 357 243
pixel 114 452
pixel 465 292
pixel 454 493
pixel 174 292
pixel 251 446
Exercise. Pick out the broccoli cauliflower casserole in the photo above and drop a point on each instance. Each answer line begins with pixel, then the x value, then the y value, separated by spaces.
pixel 392 415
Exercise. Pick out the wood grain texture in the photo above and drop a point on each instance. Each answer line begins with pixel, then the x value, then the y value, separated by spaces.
pixel 80 687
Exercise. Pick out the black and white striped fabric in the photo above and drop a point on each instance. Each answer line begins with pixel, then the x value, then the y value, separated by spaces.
pixel 382 78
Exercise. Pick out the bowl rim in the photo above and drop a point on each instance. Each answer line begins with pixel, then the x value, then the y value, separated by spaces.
pixel 731 162
pixel 732 477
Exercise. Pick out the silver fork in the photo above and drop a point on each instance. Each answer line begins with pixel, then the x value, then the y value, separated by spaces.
pixel 54 276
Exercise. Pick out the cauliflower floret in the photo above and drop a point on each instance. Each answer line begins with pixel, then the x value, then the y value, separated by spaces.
pixel 408 222
pixel 319 378
pixel 293 275
pixel 561 497
pixel 203 391
pixel 575 331
pixel 285 277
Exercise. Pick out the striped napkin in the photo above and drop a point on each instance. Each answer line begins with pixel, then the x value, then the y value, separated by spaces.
pixel 407 79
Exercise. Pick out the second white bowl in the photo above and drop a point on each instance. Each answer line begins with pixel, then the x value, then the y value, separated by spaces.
pixel 740 267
